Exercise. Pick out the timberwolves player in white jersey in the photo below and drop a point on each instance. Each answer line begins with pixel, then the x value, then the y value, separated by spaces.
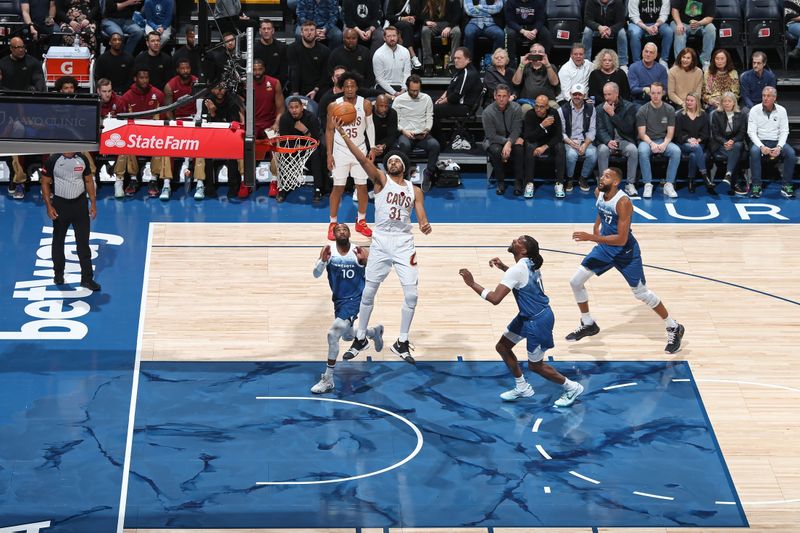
pixel 616 248
pixel 392 244
pixel 341 162
pixel 345 267
pixel 533 323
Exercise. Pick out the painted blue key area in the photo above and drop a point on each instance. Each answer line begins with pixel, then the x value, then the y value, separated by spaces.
pixel 203 441
pixel 64 403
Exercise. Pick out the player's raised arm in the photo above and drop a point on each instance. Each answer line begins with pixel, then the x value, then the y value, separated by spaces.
pixel 329 127
pixel 369 167
pixel 493 297
pixel 322 262
pixel 419 208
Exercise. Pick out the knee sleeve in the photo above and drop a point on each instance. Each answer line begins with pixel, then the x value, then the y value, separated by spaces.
pixel 577 283
pixel 339 330
pixel 642 293
pixel 410 296
pixel 368 295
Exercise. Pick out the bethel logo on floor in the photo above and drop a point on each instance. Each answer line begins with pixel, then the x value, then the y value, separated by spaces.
pixel 56 310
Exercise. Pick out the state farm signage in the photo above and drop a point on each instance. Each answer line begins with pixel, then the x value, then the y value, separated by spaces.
pixel 178 139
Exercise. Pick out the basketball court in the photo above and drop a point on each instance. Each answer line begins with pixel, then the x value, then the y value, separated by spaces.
pixel 178 397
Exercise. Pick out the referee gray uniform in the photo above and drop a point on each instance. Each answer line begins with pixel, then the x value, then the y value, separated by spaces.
pixel 69 201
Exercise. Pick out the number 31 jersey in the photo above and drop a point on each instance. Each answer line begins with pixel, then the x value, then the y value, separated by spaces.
pixel 393 207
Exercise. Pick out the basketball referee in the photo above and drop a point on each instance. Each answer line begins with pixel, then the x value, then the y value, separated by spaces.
pixel 68 178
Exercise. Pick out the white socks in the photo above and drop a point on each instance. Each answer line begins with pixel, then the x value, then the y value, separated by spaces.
pixel 670 322
pixel 586 319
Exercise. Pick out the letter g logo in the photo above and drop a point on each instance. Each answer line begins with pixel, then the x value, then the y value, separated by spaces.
pixel 67 67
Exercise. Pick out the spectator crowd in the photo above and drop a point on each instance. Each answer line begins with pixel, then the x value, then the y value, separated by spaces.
pixel 630 104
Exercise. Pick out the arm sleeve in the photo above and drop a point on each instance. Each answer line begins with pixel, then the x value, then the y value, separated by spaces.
pixel 663 15
pixel 619 19
pixel 516 125
pixel 380 72
pixel 37 78
pixel 370 132
pixel 428 113
pixel 603 135
pixel 50 164
pixel 592 133
pixel 705 129
pixel 633 11
pixel 783 132
pixel 319 267
pixel 490 132
pixel 87 171
pixel 589 16
pixel 747 88
pixel 348 10
pixel 633 80
pixel 752 130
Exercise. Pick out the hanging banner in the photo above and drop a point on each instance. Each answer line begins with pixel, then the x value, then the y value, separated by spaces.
pixel 212 140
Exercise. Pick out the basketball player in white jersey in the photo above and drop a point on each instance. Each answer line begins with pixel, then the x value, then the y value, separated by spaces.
pixel 341 162
pixel 392 244
pixel 616 247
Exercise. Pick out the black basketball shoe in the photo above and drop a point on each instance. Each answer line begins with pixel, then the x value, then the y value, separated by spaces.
pixel 674 336
pixel 402 350
pixel 583 331
pixel 358 346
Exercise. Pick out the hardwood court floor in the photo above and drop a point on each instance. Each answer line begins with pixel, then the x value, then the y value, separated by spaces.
pixel 244 292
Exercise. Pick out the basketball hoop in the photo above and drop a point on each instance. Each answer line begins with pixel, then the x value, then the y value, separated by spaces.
pixel 290 153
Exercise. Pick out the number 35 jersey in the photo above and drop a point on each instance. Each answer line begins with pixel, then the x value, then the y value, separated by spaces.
pixel 393 205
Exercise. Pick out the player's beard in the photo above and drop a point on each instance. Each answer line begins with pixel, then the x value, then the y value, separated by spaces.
pixel 342 242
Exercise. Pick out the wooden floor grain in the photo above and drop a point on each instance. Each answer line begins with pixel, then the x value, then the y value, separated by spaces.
pixel 230 292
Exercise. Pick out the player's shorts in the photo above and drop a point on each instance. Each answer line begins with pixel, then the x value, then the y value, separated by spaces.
pixel 347 309
pixel 628 260
pixel 392 250
pixel 344 165
pixel 538 332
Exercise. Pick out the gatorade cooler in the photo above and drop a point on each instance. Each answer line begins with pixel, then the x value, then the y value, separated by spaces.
pixel 68 61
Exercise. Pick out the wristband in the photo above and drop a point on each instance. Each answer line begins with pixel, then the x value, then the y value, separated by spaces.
pixel 485 293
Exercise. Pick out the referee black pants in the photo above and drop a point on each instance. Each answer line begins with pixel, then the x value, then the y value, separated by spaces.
pixel 76 213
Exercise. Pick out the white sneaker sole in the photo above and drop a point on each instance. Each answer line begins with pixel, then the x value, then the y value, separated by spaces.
pixel 320 390
pixel 513 395
pixel 407 357
pixel 564 401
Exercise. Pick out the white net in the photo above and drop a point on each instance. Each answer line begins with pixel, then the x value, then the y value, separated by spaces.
pixel 290 153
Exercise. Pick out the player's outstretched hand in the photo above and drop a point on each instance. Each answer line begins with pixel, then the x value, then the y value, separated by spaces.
pixel 467 275
pixel 325 253
pixel 425 228
pixel 580 236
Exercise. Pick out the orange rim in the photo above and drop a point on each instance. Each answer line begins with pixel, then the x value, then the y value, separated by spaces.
pixel 275 144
